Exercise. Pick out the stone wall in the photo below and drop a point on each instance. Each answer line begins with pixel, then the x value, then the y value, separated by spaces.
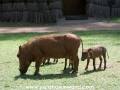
pixel 100 8
pixel 39 11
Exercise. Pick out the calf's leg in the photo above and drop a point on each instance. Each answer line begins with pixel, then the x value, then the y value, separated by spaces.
pixel 100 62
pixel 65 64
pixel 104 56
pixel 55 60
pixel 71 63
pixel 88 60
pixel 94 64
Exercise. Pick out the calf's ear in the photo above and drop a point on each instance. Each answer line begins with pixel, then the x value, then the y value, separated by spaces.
pixel 90 52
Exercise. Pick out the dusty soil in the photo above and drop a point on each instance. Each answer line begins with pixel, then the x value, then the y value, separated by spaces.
pixel 66 25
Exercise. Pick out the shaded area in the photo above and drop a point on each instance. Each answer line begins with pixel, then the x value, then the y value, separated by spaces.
pixel 91 71
pixel 64 74
pixel 76 17
pixel 74 7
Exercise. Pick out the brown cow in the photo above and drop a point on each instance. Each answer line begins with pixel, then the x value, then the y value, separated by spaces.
pixel 94 52
pixel 48 46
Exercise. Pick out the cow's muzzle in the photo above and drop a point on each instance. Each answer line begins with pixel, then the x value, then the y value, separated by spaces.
pixel 22 71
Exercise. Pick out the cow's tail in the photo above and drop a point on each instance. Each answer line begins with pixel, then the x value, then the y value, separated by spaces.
pixel 82 44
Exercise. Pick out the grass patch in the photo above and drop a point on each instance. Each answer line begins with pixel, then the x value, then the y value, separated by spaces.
pixel 53 74
pixel 111 20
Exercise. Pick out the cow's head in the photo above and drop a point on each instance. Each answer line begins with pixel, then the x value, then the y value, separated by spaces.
pixel 24 60
pixel 87 53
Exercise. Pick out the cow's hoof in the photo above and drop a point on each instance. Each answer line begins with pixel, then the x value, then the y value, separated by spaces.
pixel 104 68
pixel 99 67
pixel 74 72
pixel 22 74
pixel 47 62
pixel 64 68
pixel 35 74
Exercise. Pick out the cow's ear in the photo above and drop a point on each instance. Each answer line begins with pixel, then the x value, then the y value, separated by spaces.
pixel 18 55
pixel 20 49
pixel 90 52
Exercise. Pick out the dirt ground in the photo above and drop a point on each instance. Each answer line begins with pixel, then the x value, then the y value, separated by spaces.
pixel 66 25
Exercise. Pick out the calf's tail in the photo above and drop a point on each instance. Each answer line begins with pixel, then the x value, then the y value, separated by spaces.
pixel 107 54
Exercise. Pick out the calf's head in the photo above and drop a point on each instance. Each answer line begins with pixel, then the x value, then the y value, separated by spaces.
pixel 87 53
pixel 24 61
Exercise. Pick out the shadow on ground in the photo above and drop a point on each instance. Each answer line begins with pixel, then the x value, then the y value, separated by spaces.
pixel 64 74
pixel 91 71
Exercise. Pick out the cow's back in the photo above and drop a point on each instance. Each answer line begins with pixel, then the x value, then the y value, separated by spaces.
pixel 56 45
pixel 99 50
pixel 72 41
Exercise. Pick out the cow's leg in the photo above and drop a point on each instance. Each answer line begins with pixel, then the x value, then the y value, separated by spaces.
pixel 88 60
pixel 104 56
pixel 70 62
pixel 76 63
pixel 37 65
pixel 72 65
pixel 65 64
pixel 94 64
pixel 100 62
pixel 48 61
pixel 44 61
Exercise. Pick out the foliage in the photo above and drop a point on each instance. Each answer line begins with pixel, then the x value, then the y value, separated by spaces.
pixel 111 20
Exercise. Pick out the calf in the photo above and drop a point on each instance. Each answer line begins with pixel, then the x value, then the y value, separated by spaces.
pixel 48 61
pixel 56 60
pixel 93 53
